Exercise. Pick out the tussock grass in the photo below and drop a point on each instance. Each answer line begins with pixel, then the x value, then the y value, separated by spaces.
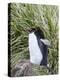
pixel 25 16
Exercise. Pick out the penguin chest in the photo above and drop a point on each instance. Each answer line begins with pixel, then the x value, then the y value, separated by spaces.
pixel 35 52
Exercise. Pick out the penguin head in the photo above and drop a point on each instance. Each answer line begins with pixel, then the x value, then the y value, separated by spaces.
pixel 40 34
pixel 37 31
pixel 31 30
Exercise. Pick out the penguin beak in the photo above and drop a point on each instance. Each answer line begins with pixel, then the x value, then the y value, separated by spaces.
pixel 46 42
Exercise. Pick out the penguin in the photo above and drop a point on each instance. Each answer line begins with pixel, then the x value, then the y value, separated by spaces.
pixel 38 47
